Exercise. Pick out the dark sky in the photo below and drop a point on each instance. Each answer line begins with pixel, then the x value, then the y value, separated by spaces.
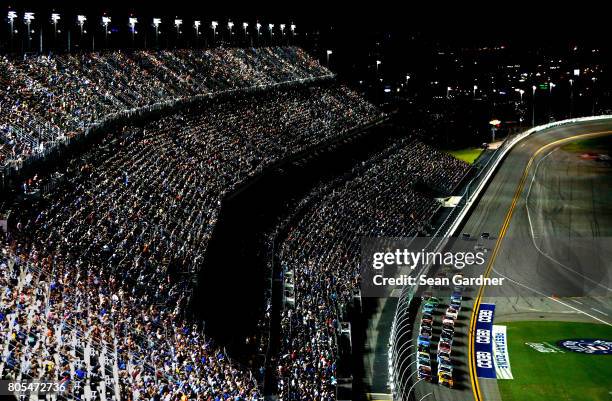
pixel 458 20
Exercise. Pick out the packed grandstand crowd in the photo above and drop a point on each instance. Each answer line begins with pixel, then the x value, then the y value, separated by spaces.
pixel 96 274
pixel 45 99
pixel 322 248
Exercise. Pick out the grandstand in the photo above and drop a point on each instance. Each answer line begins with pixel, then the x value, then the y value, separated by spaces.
pixel 101 250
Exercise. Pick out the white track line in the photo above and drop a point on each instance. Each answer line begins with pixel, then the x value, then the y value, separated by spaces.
pixel 553 299
pixel 535 173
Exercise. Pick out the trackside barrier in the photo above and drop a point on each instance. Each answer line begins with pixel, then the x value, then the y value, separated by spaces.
pixel 400 344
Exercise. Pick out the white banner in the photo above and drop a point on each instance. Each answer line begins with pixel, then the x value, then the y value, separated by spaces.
pixel 500 353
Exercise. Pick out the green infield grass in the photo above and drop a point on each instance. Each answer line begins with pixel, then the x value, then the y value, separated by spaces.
pixel 558 376
pixel 467 155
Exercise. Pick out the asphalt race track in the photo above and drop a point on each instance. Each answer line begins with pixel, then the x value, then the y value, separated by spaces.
pixel 553 268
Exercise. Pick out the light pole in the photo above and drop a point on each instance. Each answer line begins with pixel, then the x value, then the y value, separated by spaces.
pixel 594 99
pixel 245 25
pixel 28 17
pixel 271 28
pixel 156 24
pixel 292 28
pixel 329 53
pixel 196 26
pixel 11 17
pixel 550 100
pixel 282 28
pixel 533 91
pixel 474 90
pixel 132 21
pixel 54 18
pixel 230 26
pixel 105 22
pixel 258 28
pixel 81 21
pixel 571 111
pixel 177 23
pixel 214 28
pixel 448 90
pixel 378 63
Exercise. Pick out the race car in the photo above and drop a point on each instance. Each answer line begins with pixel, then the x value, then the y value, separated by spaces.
pixel 445 368
pixel 424 372
pixel 423 340
pixel 423 359
pixel 452 313
pixel 423 348
pixel 456 296
pixel 444 357
pixel 455 305
pixel 444 346
pixel 433 300
pixel 425 331
pixel 428 308
pixel 448 322
pixel 445 380
pixel 446 336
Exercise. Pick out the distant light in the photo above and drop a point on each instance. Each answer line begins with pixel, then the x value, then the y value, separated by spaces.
pixel 475 87
pixel 329 52
pixel 81 19
pixel 577 72
pixel 156 22
pixel 292 27
pixel 387 90
pixel 245 25
pixel 133 21
pixel 12 15
pixel 197 23
pixel 378 62
pixel 106 20
pixel 55 17
pixel 27 17
pixel 258 26
pixel 214 25
pixel 282 27
pixel 178 23
pixel 230 25
pixel 271 26
pixel 495 122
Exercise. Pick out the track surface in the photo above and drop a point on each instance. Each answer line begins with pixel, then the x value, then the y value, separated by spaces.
pixel 563 206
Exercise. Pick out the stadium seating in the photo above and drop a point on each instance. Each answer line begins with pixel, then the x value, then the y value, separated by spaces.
pixel 45 99
pixel 321 253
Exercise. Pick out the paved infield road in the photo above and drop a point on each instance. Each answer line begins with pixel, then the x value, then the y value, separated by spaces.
pixel 568 201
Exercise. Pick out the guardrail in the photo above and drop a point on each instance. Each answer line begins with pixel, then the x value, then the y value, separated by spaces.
pixel 401 328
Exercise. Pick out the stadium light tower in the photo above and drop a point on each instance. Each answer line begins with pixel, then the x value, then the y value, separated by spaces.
pixel 132 21
pixel 214 28
pixel 81 21
pixel 177 23
pixel 533 91
pixel 11 17
pixel 329 53
pixel 230 26
pixel 245 25
pixel 282 28
pixel 474 90
pixel 196 25
pixel 571 82
pixel 54 18
pixel 28 17
pixel 378 63
pixel 156 24
pixel 448 90
pixel 105 21
pixel 258 27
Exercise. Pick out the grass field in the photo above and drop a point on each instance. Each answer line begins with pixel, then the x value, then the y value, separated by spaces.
pixel 597 145
pixel 467 155
pixel 567 376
